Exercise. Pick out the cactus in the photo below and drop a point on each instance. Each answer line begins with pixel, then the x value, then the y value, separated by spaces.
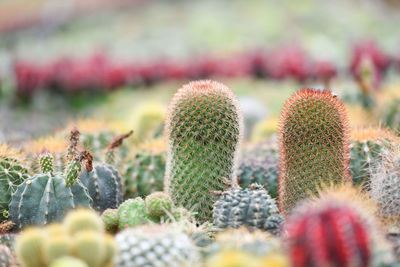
pixel 44 198
pixel 12 173
pixel 68 262
pixel 90 247
pixel 313 145
pixel 144 174
pixel 56 244
pixel 132 212
pixel 366 146
pixel 110 220
pixel 260 171
pixel 83 219
pixel 158 204
pixel 103 183
pixel 252 208
pixel 155 245
pixel 391 114
pixel 385 184
pixel 114 145
pixel 148 120
pixel 6 257
pixel 28 247
pixel 328 233
pixel 8 240
pixel 204 131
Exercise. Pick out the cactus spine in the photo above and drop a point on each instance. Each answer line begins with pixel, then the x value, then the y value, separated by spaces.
pixel 314 145
pixel 204 131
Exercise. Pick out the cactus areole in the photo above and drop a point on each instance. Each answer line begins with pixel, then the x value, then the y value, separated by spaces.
pixel 204 130
pixel 314 146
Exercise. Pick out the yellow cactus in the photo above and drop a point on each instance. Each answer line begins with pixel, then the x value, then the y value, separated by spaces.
pixel 264 129
pixel 147 119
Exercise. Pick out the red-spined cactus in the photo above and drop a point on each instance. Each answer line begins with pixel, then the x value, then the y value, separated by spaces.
pixel 328 234
pixel 314 145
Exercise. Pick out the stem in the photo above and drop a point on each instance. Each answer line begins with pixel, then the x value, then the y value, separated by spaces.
pixel 73 143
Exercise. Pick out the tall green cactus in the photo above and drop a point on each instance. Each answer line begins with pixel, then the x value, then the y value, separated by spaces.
pixel 204 130
pixel 314 145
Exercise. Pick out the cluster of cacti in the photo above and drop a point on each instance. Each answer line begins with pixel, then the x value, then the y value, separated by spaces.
pixel 157 207
pixel 328 233
pixel 366 145
pixel 144 173
pixel 204 130
pixel 12 173
pixel 250 207
pixel 243 248
pixel 155 245
pixel 81 235
pixel 314 145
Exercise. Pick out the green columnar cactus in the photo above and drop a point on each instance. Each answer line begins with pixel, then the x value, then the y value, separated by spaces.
pixel 6 257
pixel 144 174
pixel 366 146
pixel 46 162
pixel 204 131
pixel 252 208
pixel 110 220
pixel 44 198
pixel 155 245
pixel 132 212
pixel 12 173
pixel 103 183
pixel 314 146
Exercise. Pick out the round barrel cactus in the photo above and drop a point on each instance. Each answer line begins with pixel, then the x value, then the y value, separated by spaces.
pixel 104 185
pixel 204 131
pixel 12 174
pixel 250 207
pixel 313 146
pixel 132 212
pixel 47 197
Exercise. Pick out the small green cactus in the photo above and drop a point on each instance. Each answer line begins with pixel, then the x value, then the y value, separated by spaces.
pixel 132 212
pixel 28 247
pixel 204 131
pixel 110 220
pixel 83 219
pixel 158 204
pixel 12 173
pixel 314 146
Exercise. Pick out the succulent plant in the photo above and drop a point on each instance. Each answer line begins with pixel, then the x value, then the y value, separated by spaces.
pixel 8 240
pixel 158 204
pixel 28 247
pixel 148 120
pixel 155 245
pixel 329 232
pixel 47 197
pixel 250 207
pixel 110 220
pixel 68 261
pixel 104 184
pixel 144 174
pixel 391 114
pixel 385 184
pixel 132 212
pixel 204 130
pixel 83 219
pixel 6 257
pixel 57 243
pixel 366 145
pixel 314 146
pixel 236 246
pixel 12 173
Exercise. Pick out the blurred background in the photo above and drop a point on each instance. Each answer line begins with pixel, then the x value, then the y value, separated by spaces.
pixel 112 60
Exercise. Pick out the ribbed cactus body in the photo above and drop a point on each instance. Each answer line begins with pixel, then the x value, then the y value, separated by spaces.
pixel 155 246
pixel 145 173
pixel 252 208
pixel 204 129
pixel 104 185
pixel 44 198
pixel 12 173
pixel 314 146
pixel 366 146
pixel 332 234
pixel 132 212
